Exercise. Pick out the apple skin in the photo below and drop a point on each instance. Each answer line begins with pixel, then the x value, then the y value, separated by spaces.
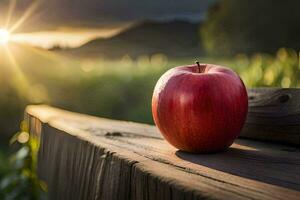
pixel 200 108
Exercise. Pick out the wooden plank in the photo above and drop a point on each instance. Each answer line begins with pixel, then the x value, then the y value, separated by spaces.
pixel 274 115
pixel 84 157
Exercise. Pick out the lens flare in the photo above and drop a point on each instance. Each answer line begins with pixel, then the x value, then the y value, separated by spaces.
pixel 4 36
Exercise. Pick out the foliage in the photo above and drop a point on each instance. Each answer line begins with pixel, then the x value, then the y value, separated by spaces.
pixel 282 70
pixel 248 26
pixel 108 90
pixel 22 181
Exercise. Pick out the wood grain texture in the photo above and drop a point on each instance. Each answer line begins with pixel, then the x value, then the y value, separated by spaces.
pixel 274 115
pixel 84 157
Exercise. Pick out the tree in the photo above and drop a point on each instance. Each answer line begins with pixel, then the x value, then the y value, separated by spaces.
pixel 248 26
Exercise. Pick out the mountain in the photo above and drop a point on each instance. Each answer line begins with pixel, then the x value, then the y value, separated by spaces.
pixel 174 39
pixel 50 14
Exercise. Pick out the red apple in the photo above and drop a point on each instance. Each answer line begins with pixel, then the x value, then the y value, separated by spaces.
pixel 200 108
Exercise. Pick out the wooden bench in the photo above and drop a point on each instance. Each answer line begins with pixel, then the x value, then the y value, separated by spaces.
pixel 85 157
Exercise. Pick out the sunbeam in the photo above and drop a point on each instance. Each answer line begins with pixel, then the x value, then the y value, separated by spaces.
pixel 25 16
pixel 21 83
pixel 11 8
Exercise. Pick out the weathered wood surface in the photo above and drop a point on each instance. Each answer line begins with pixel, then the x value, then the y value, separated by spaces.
pixel 84 157
pixel 274 115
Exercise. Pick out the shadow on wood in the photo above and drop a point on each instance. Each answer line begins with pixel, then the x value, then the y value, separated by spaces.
pixel 254 162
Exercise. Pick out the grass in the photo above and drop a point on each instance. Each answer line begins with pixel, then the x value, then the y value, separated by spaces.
pixel 21 180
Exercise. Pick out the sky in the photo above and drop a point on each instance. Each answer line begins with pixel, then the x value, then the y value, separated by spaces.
pixel 71 23
pixel 53 13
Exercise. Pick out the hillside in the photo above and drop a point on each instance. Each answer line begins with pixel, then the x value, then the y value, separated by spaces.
pixel 174 39
pixel 99 13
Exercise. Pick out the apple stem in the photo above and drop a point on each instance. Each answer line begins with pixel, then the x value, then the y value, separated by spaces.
pixel 199 67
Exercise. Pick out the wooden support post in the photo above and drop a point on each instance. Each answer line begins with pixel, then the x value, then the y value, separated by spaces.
pixel 274 115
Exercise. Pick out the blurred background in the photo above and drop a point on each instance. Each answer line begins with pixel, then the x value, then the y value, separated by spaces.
pixel 103 57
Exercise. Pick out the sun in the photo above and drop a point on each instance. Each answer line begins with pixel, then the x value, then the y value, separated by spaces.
pixel 4 36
